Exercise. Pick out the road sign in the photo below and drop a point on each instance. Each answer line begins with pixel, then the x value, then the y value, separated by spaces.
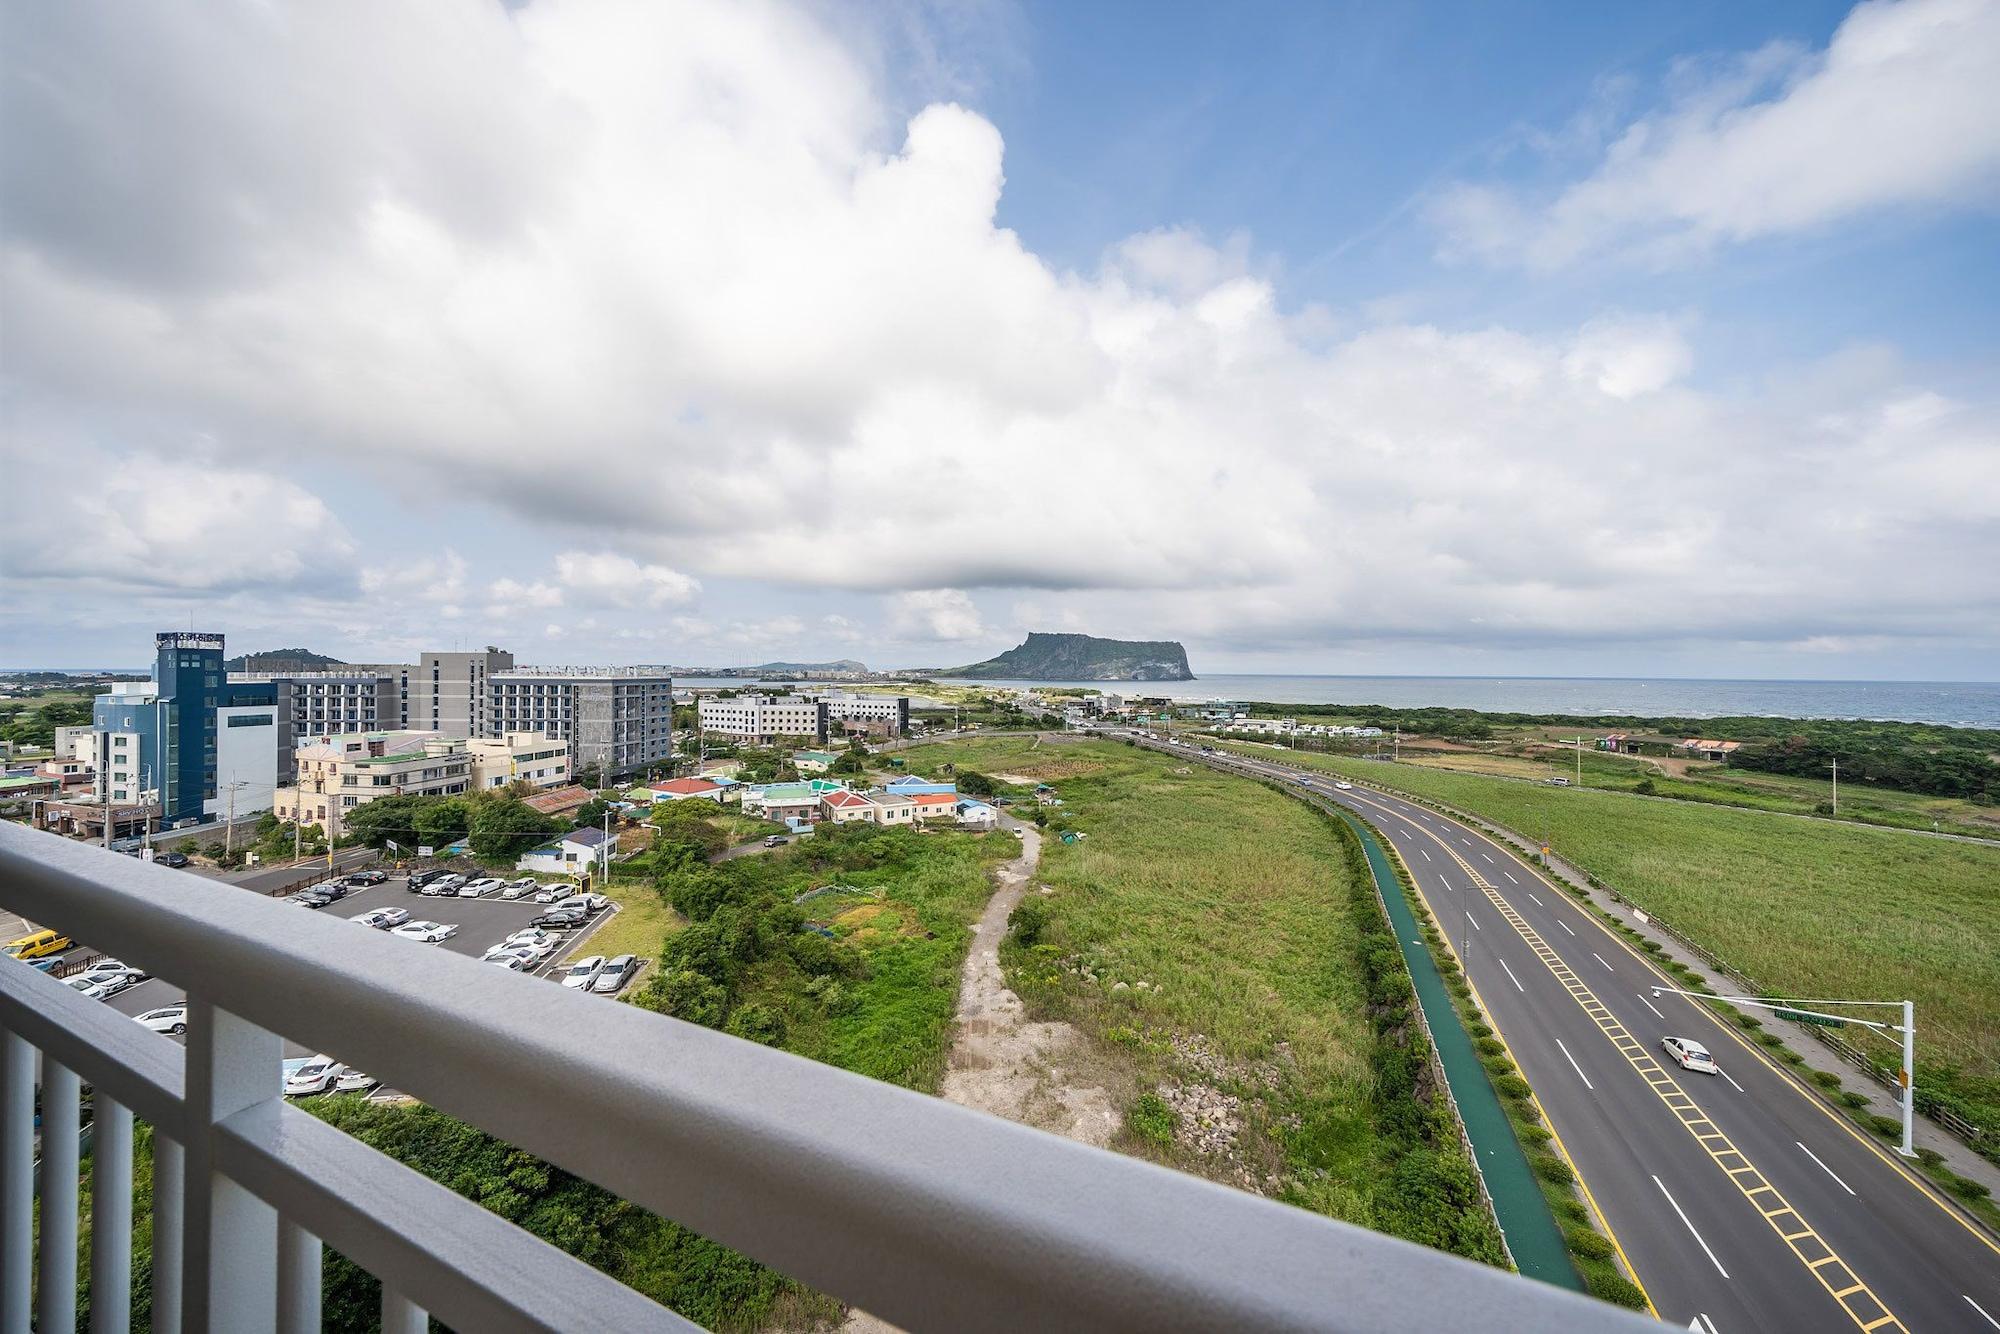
pixel 392 845
pixel 424 850
pixel 1801 1017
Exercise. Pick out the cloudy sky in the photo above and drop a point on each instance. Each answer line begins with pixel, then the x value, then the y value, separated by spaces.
pixel 1456 338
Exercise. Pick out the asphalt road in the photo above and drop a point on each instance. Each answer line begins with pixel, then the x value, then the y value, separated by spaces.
pixel 1742 1202
pixel 482 923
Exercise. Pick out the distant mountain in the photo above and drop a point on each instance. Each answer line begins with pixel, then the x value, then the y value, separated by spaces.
pixel 848 665
pixel 1082 658
pixel 283 660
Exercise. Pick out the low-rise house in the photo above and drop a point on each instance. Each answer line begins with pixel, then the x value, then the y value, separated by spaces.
pixel 1617 742
pixel 910 786
pixel 845 807
pixel 935 805
pixel 893 808
pixel 577 851
pixel 560 801
pixel 1703 748
pixel 813 761
pixel 683 789
pixel 976 814
pixel 785 801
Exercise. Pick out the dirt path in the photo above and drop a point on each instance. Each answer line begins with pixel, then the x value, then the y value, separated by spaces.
pixel 1001 1062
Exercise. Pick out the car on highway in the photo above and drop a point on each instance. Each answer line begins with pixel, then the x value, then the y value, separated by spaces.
pixel 583 972
pixel 1690 1055
pixel 1345 786
pixel 473 889
pixel 384 918
pixel 429 933
pixel 515 889
pixel 615 975
pixel 353 1081
pixel 363 879
pixel 173 859
pixel 36 944
pixel 167 1019
pixel 315 1076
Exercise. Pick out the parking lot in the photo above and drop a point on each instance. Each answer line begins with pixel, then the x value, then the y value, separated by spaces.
pixel 482 923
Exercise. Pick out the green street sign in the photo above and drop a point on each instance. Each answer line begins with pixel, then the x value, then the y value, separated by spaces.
pixel 1801 1017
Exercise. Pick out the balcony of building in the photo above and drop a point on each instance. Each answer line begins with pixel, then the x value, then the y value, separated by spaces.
pixel 926 1214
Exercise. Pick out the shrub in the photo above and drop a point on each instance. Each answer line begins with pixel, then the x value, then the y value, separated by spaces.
pixel 1533 1136
pixel 1152 1120
pixel 758 1022
pixel 1930 1157
pixel 1852 1099
pixel 1770 1039
pixel 1490 1046
pixel 1615 1288
pixel 1030 919
pixel 1967 1189
pixel 1826 1079
pixel 1791 1057
pixel 1571 1208
pixel 1888 1127
pixel 1550 1168
pixel 1479 1030
pixel 1747 1020
pixel 1513 1086
pixel 1590 1245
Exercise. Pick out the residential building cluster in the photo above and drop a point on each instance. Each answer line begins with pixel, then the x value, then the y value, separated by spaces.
pixel 800 805
pixel 765 719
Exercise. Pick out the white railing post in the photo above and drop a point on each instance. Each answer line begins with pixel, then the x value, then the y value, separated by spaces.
pixel 17 1184
pixel 298 1279
pixel 110 1217
pixel 62 1128
pixel 229 1268
pixel 168 1190
pixel 400 1315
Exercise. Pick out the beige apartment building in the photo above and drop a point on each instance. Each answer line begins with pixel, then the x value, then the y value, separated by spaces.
pixel 519 757
pixel 338 773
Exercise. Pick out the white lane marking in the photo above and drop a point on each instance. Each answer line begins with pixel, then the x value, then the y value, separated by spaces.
pixel 1585 1078
pixel 1489 860
pixel 1511 880
pixel 1824 1168
pixel 1564 925
pixel 1732 1083
pixel 1531 894
pixel 1690 1227
pixel 1982 1310
pixel 1475 922
pixel 1426 852
pixel 1511 978
pixel 1600 958
pixel 1466 841
pixel 1649 1005
pixel 1701 1324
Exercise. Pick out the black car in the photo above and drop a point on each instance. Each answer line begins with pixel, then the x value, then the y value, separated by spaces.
pixel 173 859
pixel 561 921
pixel 312 898
pixel 362 879
pixel 418 879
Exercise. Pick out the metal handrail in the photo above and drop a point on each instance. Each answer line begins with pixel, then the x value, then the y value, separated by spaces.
pixel 927 1214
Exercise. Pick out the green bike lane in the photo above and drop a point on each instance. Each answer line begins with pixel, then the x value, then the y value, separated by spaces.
pixel 1518 1204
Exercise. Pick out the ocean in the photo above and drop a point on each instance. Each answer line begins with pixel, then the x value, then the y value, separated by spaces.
pixel 1953 703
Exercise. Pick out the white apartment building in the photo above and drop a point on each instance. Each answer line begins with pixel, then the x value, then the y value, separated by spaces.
pixel 763 717
pixel 615 719
pixel 518 757
pixel 246 761
pixel 876 715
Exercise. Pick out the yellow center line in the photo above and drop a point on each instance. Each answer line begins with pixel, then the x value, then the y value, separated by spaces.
pixel 1860 1303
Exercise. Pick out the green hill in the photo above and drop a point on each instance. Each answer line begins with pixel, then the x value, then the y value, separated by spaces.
pixel 1082 658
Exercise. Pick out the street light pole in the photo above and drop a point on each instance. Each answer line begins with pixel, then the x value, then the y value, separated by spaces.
pixel 1906 1077
pixel 1836 785
pixel 1576 742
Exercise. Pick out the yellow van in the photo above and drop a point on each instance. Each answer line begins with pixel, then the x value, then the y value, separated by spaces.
pixel 36 946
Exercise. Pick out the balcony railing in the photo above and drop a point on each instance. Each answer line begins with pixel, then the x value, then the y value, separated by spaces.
pixel 927 1214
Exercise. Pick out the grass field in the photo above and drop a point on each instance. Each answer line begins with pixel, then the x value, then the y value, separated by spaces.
pixel 1205 929
pixel 1814 908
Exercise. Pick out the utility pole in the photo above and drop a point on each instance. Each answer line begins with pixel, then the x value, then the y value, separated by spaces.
pixel 1836 785
pixel 229 830
pixel 1576 742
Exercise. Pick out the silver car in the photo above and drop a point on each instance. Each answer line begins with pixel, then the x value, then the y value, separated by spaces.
pixel 615 975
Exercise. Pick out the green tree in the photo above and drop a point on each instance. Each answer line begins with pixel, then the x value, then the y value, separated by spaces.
pixel 976 784
pixel 507 828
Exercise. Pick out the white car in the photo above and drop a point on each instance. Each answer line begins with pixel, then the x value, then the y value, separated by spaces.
pixel 353 1081
pixel 1345 787
pixel 515 889
pixel 509 960
pixel 472 889
pixel 615 975
pixel 584 971
pixel 382 919
pixel 550 893
pixel 95 989
pixel 315 1076
pixel 534 935
pixel 166 1019
pixel 1691 1055
pixel 114 977
pixel 430 933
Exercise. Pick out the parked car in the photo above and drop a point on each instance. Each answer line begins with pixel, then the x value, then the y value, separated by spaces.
pixel 96 990
pixel 353 1081
pixel 429 933
pixel 166 1019
pixel 36 944
pixel 560 920
pixel 173 859
pixel 615 975
pixel 473 889
pixel 310 898
pixel 550 893
pixel 589 904
pixel 1690 1055
pixel 418 879
pixel 516 963
pixel 583 972
pixel 515 889
pixel 362 879
pixel 118 975
pixel 532 936
pixel 775 841
pixel 443 887
pixel 315 1076
pixel 384 918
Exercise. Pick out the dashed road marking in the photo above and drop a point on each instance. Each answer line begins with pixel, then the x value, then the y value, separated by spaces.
pixel 1585 1078
pixel 1649 1005
pixel 1732 1083
pixel 1510 877
pixel 1600 958
pixel 1427 855
pixel 1982 1311
pixel 1564 925
pixel 1538 902
pixel 1475 922
pixel 1511 978
pixel 1824 1168
pixel 1691 1228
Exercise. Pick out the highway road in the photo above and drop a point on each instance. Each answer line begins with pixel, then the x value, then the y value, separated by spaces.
pixel 1742 1202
